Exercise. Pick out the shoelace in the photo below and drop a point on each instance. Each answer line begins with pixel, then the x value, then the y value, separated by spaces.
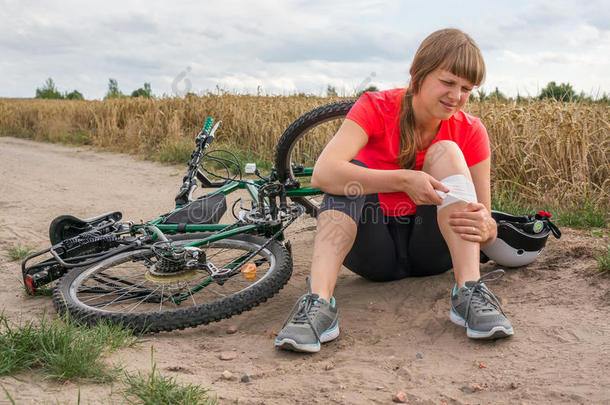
pixel 301 310
pixel 480 294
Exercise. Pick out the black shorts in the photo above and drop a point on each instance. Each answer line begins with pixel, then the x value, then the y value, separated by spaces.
pixel 390 248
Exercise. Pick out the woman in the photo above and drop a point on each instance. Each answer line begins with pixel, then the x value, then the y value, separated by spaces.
pixel 407 183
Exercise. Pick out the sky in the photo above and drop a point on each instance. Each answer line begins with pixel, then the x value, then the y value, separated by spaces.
pixel 290 46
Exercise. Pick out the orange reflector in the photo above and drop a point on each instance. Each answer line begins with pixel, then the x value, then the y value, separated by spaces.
pixel 249 270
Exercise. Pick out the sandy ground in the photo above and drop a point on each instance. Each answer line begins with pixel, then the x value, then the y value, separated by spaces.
pixel 394 336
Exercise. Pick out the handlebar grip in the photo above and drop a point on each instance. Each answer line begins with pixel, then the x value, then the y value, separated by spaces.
pixel 208 124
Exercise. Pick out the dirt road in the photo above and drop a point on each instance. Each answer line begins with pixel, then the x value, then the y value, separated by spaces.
pixel 394 336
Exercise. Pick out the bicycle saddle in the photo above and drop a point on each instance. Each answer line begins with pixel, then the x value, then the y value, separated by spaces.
pixel 68 226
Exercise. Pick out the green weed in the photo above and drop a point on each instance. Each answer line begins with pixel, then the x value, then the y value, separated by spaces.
pixel 576 216
pixel 507 200
pixel 8 395
pixel 583 216
pixel 79 137
pixel 19 252
pixel 44 291
pixel 155 389
pixel 63 350
pixel 178 152
pixel 598 233
pixel 603 260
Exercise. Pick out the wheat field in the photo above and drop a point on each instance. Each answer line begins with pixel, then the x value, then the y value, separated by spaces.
pixel 543 152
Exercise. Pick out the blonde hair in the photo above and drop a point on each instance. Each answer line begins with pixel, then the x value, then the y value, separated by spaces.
pixel 449 49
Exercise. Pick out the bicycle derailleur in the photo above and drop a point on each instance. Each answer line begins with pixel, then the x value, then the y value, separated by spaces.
pixel 175 263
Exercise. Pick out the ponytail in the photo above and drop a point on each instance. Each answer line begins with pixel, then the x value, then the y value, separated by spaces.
pixel 408 139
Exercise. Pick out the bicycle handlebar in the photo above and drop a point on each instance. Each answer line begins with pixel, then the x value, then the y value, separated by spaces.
pixel 208 124
pixel 204 139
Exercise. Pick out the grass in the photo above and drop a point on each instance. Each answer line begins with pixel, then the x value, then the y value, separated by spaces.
pixel 509 202
pixel 583 217
pixel 178 152
pixel 153 389
pixel 79 137
pixel 603 260
pixel 8 395
pixel 598 233
pixel 63 350
pixel 19 252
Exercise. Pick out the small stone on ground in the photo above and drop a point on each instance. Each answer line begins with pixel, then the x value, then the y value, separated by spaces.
pixel 227 356
pixel 400 397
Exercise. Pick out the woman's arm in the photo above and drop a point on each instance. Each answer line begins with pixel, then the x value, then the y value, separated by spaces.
pixel 479 212
pixel 334 174
pixel 333 171
pixel 482 182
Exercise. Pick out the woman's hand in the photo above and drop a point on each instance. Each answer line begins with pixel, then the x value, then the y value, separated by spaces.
pixel 420 187
pixel 474 224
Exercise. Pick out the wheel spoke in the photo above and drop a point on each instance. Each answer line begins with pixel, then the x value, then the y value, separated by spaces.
pixel 161 300
pixel 191 294
pixel 121 298
pixel 138 304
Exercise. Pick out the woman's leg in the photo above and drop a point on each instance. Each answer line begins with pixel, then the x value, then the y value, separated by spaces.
pixel 358 238
pixel 444 159
pixel 473 305
pixel 335 235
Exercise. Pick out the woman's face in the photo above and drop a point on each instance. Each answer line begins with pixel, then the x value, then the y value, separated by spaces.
pixel 442 93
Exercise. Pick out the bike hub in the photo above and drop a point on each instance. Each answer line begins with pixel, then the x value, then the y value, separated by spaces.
pixel 175 263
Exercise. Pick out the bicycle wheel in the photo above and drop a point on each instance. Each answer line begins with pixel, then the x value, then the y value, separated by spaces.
pixel 124 288
pixel 302 142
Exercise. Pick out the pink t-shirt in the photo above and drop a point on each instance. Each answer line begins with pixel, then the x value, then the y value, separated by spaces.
pixel 377 114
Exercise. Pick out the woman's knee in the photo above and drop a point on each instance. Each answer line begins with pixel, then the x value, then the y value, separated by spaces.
pixel 444 148
pixel 445 158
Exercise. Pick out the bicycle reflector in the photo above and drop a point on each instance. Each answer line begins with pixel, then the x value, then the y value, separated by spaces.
pixel 249 270
pixel 29 284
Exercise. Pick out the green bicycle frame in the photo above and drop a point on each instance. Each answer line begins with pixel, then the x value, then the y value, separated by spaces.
pixel 156 227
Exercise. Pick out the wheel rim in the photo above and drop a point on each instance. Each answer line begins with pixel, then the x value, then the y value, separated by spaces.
pixel 125 285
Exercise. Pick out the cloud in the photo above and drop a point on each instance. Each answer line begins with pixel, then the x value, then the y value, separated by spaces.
pixel 292 45
pixel 345 44
pixel 132 23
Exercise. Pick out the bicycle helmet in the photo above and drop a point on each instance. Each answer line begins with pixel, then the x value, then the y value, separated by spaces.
pixel 520 238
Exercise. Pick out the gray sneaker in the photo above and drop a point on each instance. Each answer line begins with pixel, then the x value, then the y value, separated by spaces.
pixel 312 321
pixel 476 308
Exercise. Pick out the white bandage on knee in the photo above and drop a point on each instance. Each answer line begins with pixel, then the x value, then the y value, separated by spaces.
pixel 460 189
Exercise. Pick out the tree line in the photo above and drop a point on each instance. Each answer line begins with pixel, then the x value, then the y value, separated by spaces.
pixel 559 92
pixel 50 91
